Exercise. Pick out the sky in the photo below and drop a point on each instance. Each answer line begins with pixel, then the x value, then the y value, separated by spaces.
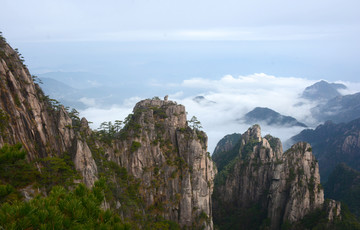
pixel 146 48
pixel 163 39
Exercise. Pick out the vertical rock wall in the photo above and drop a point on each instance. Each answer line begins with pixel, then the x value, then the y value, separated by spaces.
pixel 261 177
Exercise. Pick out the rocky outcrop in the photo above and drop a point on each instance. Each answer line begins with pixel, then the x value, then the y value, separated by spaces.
pixel 295 188
pixel 40 124
pixel 226 145
pixel 166 160
pixel 278 187
pixel 333 210
pixel 171 160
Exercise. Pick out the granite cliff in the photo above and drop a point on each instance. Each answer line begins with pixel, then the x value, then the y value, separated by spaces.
pixel 156 167
pixel 168 158
pixel 262 187
pixel 152 171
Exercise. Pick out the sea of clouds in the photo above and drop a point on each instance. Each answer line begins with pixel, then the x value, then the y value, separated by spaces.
pixel 226 101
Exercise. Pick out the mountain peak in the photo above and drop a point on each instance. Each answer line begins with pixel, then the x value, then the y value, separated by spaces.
pixel 266 116
pixel 322 90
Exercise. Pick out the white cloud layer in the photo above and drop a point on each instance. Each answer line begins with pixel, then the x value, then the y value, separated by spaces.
pixel 233 97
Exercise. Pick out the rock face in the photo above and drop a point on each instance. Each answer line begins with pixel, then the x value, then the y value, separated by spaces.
pixel 29 117
pixel 172 169
pixel 226 145
pixel 171 160
pixel 277 187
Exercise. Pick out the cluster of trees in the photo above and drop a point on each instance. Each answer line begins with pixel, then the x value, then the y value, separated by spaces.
pixel 68 205
pixel 62 209
pixel 109 131
pixel 194 123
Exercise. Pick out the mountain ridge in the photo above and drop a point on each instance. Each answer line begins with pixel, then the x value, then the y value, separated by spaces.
pixel 264 115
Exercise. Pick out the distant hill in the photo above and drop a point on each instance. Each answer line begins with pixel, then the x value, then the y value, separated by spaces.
pixel 78 80
pixel 322 90
pixel 332 144
pixel 84 97
pixel 339 109
pixel 203 101
pixel 344 185
pixel 64 93
pixel 270 117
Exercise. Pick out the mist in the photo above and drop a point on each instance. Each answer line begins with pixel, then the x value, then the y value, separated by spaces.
pixel 226 100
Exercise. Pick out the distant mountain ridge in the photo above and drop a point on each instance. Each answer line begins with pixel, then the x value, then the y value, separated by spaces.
pixel 322 90
pixel 334 143
pixel 203 101
pixel 270 117
pixel 77 97
pixel 339 109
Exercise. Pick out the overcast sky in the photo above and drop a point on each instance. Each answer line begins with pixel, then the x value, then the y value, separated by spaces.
pixel 311 39
pixel 58 20
pixel 140 46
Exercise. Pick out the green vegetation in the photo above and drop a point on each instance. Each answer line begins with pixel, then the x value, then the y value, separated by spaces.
pixel 57 171
pixel 14 170
pixel 135 146
pixel 75 119
pixel 126 189
pixel 273 141
pixel 344 185
pixel 253 217
pixel 224 158
pixel 225 161
pixel 131 127
pixel 292 176
pixel 159 113
pixel 17 100
pixel 109 131
pixel 248 148
pixel 194 123
pixel 2 39
pixel 62 209
pixel 76 208
pixel 36 79
pixel 318 220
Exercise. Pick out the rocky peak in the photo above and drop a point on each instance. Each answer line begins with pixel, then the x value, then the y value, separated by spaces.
pixel 278 186
pixel 169 159
pixel 163 110
pixel 252 133
pixel 227 143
